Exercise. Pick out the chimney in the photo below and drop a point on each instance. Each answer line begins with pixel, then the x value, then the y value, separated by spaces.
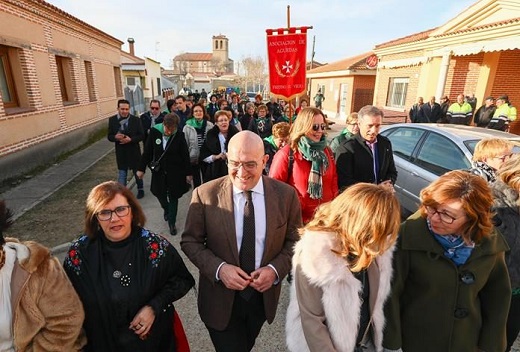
pixel 131 42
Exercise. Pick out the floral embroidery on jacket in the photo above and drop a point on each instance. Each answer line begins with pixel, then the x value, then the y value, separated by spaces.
pixel 156 246
pixel 73 261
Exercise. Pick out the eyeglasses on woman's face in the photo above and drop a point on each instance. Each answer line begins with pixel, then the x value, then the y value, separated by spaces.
pixel 503 158
pixel 445 217
pixel 318 126
pixel 106 214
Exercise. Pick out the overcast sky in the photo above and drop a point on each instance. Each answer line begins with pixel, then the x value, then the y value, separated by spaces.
pixel 343 28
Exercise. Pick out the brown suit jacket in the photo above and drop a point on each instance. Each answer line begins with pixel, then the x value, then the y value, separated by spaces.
pixel 209 239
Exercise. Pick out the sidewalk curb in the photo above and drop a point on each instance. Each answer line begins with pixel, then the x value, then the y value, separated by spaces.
pixel 47 195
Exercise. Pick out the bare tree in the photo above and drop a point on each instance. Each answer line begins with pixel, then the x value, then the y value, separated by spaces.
pixel 254 71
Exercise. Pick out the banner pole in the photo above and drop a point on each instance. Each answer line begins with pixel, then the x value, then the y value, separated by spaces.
pixel 288 17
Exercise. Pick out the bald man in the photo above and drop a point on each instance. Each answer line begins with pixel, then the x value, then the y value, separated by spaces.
pixel 234 301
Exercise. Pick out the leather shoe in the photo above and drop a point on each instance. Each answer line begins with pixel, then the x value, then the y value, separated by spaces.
pixel 173 230
pixel 165 215
pixel 140 194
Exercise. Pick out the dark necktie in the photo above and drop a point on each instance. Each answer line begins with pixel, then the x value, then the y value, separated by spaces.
pixel 247 248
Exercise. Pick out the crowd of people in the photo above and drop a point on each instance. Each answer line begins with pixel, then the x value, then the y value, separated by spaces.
pixel 272 198
pixel 495 114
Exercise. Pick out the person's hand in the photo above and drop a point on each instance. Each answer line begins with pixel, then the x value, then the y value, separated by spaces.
pixel 223 156
pixel 233 277
pixel 142 322
pixel 139 174
pixel 189 179
pixel 119 136
pixel 263 278
pixel 388 185
pixel 125 140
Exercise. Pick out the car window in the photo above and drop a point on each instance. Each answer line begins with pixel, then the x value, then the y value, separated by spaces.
pixel 472 143
pixel 439 155
pixel 404 140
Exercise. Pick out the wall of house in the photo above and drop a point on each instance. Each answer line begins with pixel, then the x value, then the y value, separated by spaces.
pixel 41 125
pixel 507 81
pixel 463 75
pixel 384 76
pixel 363 92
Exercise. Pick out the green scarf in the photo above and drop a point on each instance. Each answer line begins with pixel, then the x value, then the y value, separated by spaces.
pixel 193 122
pixel 313 151
pixel 160 127
pixel 271 141
pixel 346 133
pixel 285 118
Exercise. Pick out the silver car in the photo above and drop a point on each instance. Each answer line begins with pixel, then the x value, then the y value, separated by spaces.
pixel 423 152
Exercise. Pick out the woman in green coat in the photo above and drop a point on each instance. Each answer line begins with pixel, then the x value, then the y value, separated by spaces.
pixel 451 289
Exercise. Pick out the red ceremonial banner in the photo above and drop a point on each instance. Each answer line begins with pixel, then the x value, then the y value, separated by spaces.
pixel 287 63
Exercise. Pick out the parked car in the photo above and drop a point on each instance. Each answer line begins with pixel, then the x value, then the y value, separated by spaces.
pixel 251 96
pixel 423 152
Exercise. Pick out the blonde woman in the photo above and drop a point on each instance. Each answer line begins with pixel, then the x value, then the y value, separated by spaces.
pixel 349 131
pixel 337 305
pixel 307 163
pixel 489 154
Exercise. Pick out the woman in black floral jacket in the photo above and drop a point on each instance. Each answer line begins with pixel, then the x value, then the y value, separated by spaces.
pixel 126 276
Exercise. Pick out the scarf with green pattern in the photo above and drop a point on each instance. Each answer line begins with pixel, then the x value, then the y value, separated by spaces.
pixel 314 152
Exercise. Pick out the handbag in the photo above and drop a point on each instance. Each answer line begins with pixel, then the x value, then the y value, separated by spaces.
pixel 155 165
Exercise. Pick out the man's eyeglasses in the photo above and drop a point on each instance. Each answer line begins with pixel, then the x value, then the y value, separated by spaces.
pixel 445 217
pixel 317 126
pixel 106 214
pixel 154 108
pixel 248 165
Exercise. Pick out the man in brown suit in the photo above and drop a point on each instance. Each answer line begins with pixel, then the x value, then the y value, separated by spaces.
pixel 233 301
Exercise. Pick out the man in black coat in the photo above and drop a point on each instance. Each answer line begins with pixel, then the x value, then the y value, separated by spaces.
pixel 430 112
pixel 151 117
pixel 485 113
pixel 415 111
pixel 367 156
pixel 126 131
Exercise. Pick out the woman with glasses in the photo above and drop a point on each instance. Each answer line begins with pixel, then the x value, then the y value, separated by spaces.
pixel 223 104
pixel 489 154
pixel 349 131
pixel 39 309
pixel 214 149
pixel 201 126
pixel 262 124
pixel 306 163
pixel 451 288
pixel 506 191
pixel 342 273
pixel 126 276
pixel 173 177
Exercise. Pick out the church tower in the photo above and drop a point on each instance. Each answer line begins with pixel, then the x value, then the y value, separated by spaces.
pixel 220 52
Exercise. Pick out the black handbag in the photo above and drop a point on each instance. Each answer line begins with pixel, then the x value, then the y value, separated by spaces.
pixel 155 165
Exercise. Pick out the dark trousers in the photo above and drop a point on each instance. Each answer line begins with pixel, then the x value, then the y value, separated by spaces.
pixel 513 321
pixel 244 326
pixel 170 205
pixel 197 177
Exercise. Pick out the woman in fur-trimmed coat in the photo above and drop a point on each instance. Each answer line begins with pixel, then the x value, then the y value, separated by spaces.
pixel 342 269
pixel 39 309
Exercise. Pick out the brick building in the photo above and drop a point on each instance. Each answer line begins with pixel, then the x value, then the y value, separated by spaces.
pixel 60 79
pixel 477 52
pixel 347 85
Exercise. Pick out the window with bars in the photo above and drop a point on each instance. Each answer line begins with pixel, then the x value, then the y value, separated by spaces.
pixel 397 89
